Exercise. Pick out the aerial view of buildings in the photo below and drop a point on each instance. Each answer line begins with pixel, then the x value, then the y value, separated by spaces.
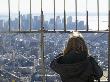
pixel 20 54
pixel 32 34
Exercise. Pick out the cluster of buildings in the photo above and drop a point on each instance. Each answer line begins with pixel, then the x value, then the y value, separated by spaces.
pixel 19 52
pixel 22 51
pixel 36 23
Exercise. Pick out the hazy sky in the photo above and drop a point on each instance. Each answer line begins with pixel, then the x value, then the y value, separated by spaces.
pixel 48 6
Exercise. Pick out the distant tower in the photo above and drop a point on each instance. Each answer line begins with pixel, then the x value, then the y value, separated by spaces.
pixel 35 18
pixel 58 22
pixel 81 25
pixel 69 20
pixel 70 23
pixel 27 22
pixel 23 21
pixel 51 23
pixel 35 22
pixel 46 25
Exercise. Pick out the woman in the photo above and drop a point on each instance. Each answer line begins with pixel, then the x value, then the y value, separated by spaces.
pixel 74 64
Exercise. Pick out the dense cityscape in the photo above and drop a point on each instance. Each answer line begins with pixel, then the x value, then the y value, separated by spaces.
pixel 34 32
pixel 36 23
pixel 20 53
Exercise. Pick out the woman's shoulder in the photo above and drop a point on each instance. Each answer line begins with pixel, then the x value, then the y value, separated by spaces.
pixel 91 58
pixel 59 55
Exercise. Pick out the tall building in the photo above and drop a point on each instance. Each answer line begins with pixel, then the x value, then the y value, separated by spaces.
pixel 46 25
pixel 1 25
pixel 25 22
pixel 22 22
pixel 35 22
pixel 58 23
pixel 51 21
pixel 69 19
pixel 81 25
pixel 51 24
pixel 39 22
pixel 14 24
pixel 70 24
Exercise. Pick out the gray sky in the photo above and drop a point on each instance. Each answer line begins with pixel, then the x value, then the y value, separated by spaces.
pixel 48 6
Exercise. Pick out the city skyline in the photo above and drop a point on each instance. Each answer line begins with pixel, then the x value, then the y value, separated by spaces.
pixel 92 20
pixel 48 24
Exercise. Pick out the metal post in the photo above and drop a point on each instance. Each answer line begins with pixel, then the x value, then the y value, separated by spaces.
pixel 30 16
pixel 42 47
pixel 64 17
pixel 19 15
pixel 76 12
pixel 98 13
pixel 41 16
pixel 9 14
pixel 54 15
pixel 109 42
pixel 87 26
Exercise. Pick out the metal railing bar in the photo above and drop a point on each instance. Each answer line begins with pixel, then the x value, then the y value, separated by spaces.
pixel 43 71
pixel 98 13
pixel 41 16
pixel 19 22
pixel 30 16
pixel 9 14
pixel 109 40
pixel 87 27
pixel 64 17
pixel 54 15
pixel 76 12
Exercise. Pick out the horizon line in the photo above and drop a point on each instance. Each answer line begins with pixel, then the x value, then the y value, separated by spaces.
pixel 68 13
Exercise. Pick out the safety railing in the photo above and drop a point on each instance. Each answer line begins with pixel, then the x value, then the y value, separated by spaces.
pixel 65 29
pixel 42 29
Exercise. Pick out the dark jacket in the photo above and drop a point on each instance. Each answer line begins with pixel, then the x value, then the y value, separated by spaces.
pixel 73 67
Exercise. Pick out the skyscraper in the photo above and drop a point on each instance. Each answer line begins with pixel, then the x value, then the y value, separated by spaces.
pixel 58 22
pixel 70 24
pixel 1 25
pixel 81 25
pixel 35 22
pixel 69 19
pixel 51 24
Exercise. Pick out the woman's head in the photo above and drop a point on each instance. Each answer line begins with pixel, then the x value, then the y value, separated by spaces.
pixel 76 43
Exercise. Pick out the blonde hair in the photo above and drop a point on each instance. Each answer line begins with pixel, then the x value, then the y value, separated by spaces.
pixel 76 43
